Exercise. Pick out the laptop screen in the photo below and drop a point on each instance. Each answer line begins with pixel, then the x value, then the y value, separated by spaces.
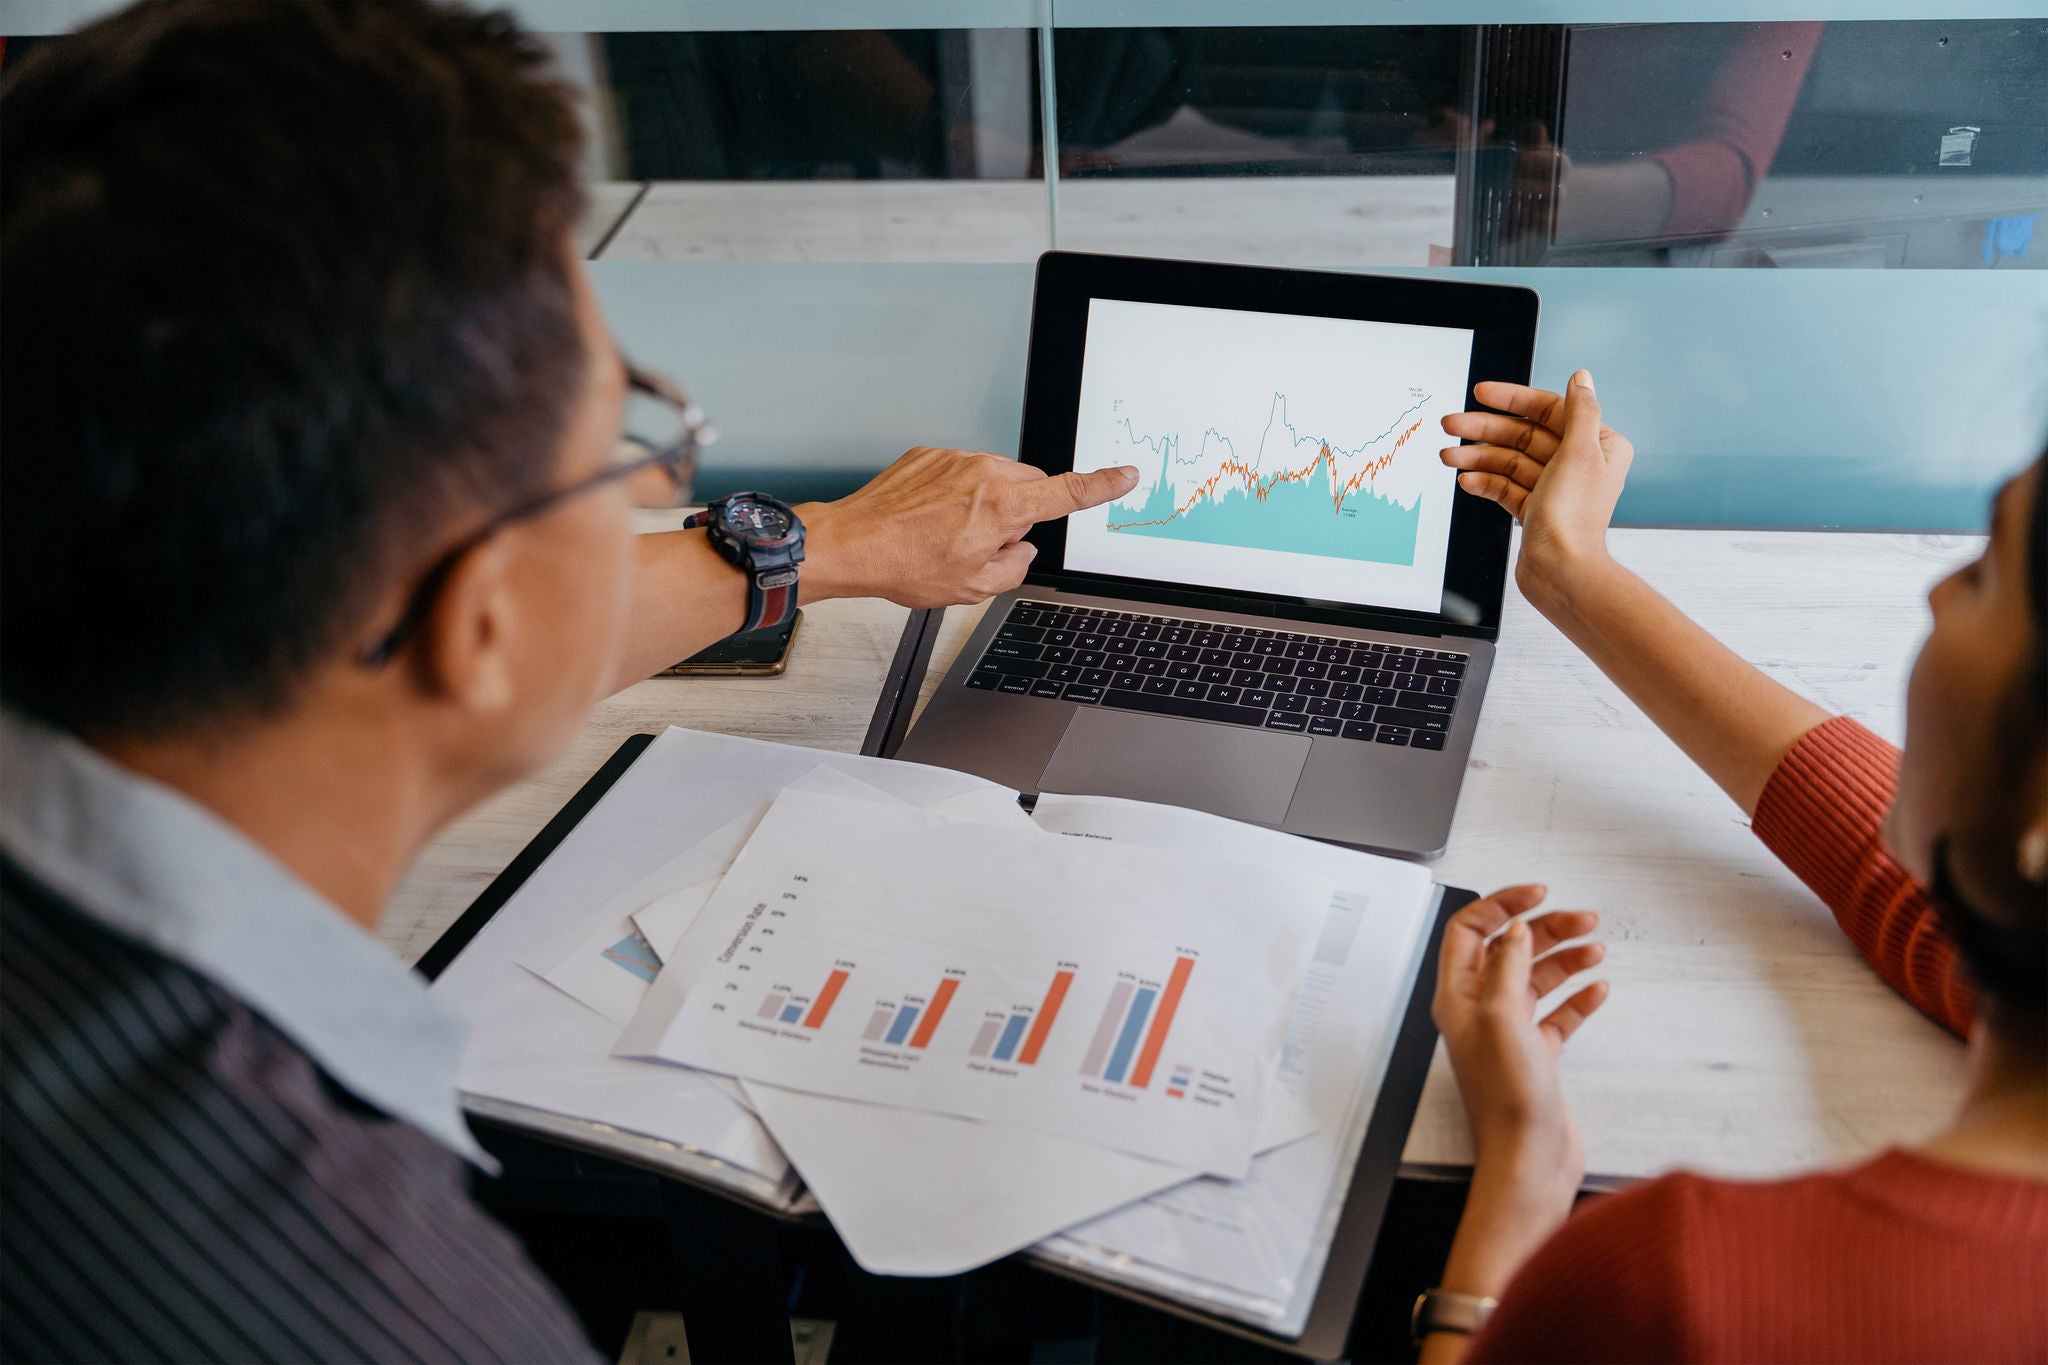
pixel 1277 453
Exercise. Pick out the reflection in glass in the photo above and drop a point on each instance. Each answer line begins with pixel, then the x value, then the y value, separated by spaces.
pixel 1793 145
pixel 1349 136
pixel 833 145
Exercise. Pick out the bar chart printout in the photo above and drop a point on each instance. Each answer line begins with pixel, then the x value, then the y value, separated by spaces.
pixel 913 1021
pixel 1131 1035
pixel 787 1006
pixel 817 966
pixel 1020 1035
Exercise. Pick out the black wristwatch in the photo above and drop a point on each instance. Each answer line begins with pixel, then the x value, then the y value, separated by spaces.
pixel 764 539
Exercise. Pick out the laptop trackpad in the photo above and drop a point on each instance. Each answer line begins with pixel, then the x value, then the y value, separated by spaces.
pixel 1244 774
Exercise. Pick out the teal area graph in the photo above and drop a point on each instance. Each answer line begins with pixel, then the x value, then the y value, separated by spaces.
pixel 1290 494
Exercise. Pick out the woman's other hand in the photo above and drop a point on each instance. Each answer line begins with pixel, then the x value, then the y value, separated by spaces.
pixel 1550 461
pixel 1494 970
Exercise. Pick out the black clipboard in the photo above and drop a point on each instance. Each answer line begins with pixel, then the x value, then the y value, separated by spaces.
pixel 1328 1326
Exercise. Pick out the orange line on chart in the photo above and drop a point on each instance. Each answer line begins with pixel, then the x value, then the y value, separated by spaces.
pixel 1259 488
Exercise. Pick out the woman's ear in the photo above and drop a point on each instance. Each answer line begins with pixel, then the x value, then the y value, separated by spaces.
pixel 465 648
pixel 2033 853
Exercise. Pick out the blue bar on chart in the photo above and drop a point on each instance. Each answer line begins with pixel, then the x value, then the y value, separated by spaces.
pixel 905 1017
pixel 878 1023
pixel 769 1007
pixel 1105 1032
pixel 1127 1041
pixel 1013 1033
pixel 792 1013
pixel 985 1039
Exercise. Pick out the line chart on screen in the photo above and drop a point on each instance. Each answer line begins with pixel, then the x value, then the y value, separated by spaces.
pixel 1327 504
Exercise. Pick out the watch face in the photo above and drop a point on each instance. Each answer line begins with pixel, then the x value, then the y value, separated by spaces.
pixel 756 520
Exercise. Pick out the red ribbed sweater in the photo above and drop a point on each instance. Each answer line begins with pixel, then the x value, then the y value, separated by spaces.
pixel 1901 1258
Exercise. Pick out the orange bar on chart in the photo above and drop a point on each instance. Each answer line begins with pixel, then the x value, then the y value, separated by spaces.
pixel 935 1012
pixel 822 1006
pixel 1162 1020
pixel 1047 1012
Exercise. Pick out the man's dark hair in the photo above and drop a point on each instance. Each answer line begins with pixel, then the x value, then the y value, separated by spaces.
pixel 284 293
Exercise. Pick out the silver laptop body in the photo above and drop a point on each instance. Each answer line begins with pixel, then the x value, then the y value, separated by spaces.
pixel 1336 720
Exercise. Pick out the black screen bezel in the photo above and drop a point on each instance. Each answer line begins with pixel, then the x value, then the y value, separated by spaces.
pixel 1502 319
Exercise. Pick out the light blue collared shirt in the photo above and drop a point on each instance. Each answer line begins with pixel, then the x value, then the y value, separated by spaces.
pixel 157 867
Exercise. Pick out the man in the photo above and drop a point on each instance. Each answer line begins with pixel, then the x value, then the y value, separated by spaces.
pixel 312 534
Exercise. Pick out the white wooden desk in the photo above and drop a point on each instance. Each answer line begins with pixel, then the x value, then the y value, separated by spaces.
pixel 1743 1034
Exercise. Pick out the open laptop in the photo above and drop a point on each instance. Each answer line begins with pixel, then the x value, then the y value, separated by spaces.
pixel 1292 618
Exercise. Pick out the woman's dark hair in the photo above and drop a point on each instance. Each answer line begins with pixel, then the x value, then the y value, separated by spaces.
pixel 2007 958
pixel 287 294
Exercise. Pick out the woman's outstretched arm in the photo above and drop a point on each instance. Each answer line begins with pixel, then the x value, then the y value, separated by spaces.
pixel 1549 460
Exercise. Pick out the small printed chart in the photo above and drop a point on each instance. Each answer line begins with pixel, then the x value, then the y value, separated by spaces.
pixel 1125 997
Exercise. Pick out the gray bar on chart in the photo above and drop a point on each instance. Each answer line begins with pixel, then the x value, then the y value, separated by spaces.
pixel 878 1023
pixel 1105 1032
pixel 1340 928
pixel 768 1007
pixel 985 1039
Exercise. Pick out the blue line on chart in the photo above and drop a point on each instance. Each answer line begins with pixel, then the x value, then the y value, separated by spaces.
pixel 1170 445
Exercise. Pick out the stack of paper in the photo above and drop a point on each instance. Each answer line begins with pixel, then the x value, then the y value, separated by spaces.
pixel 1148 1048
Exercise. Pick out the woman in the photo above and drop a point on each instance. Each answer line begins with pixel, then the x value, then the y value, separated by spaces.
pixel 1935 862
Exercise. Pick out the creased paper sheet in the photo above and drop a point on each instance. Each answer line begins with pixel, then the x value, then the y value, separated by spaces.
pixel 914 1193
pixel 1121 996
pixel 1258 1243
pixel 917 1193
pixel 531 1045
pixel 607 959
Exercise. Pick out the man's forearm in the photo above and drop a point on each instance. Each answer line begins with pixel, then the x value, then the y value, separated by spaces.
pixel 685 597
pixel 937 527
pixel 1728 716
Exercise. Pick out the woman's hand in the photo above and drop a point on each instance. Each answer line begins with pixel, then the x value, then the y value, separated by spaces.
pixel 1549 460
pixel 1493 970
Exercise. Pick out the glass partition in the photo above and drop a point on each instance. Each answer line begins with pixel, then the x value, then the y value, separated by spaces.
pixel 1799 248
pixel 828 231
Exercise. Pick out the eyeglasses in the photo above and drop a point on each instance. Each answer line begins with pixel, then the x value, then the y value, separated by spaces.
pixel 656 458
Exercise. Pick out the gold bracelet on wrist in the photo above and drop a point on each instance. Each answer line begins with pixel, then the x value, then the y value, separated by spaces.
pixel 1446 1310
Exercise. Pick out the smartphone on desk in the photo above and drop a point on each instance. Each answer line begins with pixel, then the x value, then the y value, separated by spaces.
pixel 751 654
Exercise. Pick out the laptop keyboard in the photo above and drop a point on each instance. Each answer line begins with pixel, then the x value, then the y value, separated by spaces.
pixel 1201 670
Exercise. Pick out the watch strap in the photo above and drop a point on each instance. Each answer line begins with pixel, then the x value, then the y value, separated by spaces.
pixel 1446 1310
pixel 769 606
pixel 771 592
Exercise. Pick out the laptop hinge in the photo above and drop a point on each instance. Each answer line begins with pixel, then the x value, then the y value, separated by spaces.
pixel 1356 618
